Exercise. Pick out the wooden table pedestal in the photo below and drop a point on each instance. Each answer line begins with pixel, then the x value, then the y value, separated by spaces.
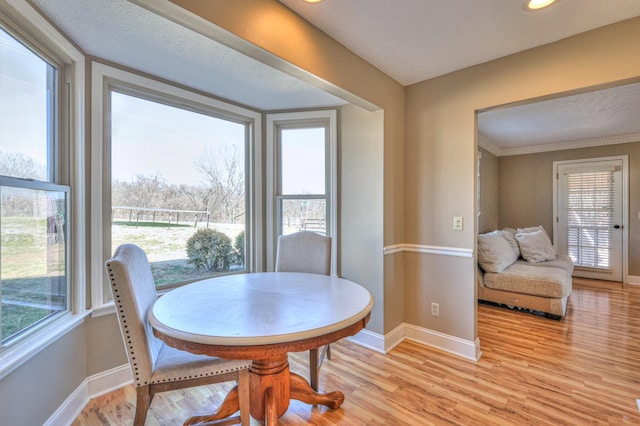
pixel 271 386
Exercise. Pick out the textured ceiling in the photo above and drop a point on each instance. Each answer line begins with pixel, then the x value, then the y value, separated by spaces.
pixel 582 119
pixel 414 40
pixel 127 34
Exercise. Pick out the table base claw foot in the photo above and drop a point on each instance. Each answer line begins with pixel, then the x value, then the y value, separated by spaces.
pixel 229 406
pixel 302 391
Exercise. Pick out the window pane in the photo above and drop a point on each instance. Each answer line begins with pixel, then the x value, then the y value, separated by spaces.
pixel 33 278
pixel 304 215
pixel 26 115
pixel 590 203
pixel 178 188
pixel 303 161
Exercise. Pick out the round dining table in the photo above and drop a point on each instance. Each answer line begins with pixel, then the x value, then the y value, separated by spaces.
pixel 262 317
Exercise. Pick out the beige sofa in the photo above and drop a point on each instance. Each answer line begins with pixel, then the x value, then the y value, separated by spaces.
pixel 508 274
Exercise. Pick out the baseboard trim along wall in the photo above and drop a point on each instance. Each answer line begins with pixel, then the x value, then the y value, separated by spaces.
pixel 91 387
pixel 434 339
pixel 454 345
pixel 633 279
pixel 417 248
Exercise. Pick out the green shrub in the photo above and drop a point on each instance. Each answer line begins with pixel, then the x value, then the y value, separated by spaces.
pixel 209 250
pixel 239 249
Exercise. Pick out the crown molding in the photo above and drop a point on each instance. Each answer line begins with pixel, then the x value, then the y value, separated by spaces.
pixel 488 145
pixel 485 143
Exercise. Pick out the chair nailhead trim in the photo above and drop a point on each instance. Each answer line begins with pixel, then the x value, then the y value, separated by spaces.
pixel 125 327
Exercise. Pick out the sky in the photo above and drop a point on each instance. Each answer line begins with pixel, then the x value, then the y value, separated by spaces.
pixel 23 101
pixel 303 165
pixel 148 138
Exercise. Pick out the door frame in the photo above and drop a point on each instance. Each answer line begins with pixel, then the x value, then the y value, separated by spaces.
pixel 625 204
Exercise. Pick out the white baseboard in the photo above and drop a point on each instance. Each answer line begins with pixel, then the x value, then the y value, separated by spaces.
pixel 633 279
pixel 369 339
pixel 454 345
pixel 419 248
pixel 394 337
pixel 451 344
pixel 90 388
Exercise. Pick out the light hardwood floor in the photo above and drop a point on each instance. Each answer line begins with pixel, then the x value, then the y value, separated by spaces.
pixel 583 370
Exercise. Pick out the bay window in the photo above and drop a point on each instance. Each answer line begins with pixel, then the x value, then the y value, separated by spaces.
pixel 177 173
pixel 302 176
pixel 38 135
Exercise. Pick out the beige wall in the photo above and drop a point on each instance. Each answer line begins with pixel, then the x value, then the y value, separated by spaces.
pixel 440 146
pixel 526 190
pixel 105 347
pixel 489 190
pixel 34 391
pixel 360 208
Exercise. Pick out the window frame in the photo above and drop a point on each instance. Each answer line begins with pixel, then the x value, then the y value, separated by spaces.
pixel 106 78
pixel 624 210
pixel 298 120
pixel 23 22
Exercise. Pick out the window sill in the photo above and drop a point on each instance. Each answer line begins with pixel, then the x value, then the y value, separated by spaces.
pixel 18 354
pixel 102 310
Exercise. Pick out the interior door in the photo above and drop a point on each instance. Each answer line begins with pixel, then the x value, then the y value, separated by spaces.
pixel 590 217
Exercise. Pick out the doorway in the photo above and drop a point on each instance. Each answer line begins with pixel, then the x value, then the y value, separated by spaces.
pixel 590 220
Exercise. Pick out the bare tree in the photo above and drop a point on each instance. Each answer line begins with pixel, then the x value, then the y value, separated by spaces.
pixel 225 177
pixel 15 201
pixel 222 196
pixel 20 165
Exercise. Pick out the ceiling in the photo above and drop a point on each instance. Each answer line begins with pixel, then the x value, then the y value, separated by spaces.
pixel 593 118
pixel 417 41
pixel 127 34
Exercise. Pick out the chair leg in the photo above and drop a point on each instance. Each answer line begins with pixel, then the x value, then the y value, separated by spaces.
pixel 243 390
pixel 328 351
pixel 143 401
pixel 313 369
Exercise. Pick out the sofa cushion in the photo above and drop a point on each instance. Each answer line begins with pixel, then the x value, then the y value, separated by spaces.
pixel 561 261
pixel 494 252
pixel 524 278
pixel 535 246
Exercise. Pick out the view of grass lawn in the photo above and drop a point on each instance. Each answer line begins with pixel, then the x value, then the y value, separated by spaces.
pixel 32 272
pixel 32 268
pixel 165 245
pixel 18 317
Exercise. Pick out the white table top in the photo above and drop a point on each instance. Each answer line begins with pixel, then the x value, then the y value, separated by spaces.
pixel 260 308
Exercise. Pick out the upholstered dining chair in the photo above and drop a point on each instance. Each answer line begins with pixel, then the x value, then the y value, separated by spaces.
pixel 307 251
pixel 157 367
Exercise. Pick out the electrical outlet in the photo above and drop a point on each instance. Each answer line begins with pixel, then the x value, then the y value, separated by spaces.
pixel 457 223
pixel 435 309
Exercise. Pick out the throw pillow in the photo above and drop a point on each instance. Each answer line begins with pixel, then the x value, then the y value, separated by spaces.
pixel 535 246
pixel 511 239
pixel 494 252
pixel 531 229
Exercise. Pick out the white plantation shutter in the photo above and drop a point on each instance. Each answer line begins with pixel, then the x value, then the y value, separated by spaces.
pixel 590 204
